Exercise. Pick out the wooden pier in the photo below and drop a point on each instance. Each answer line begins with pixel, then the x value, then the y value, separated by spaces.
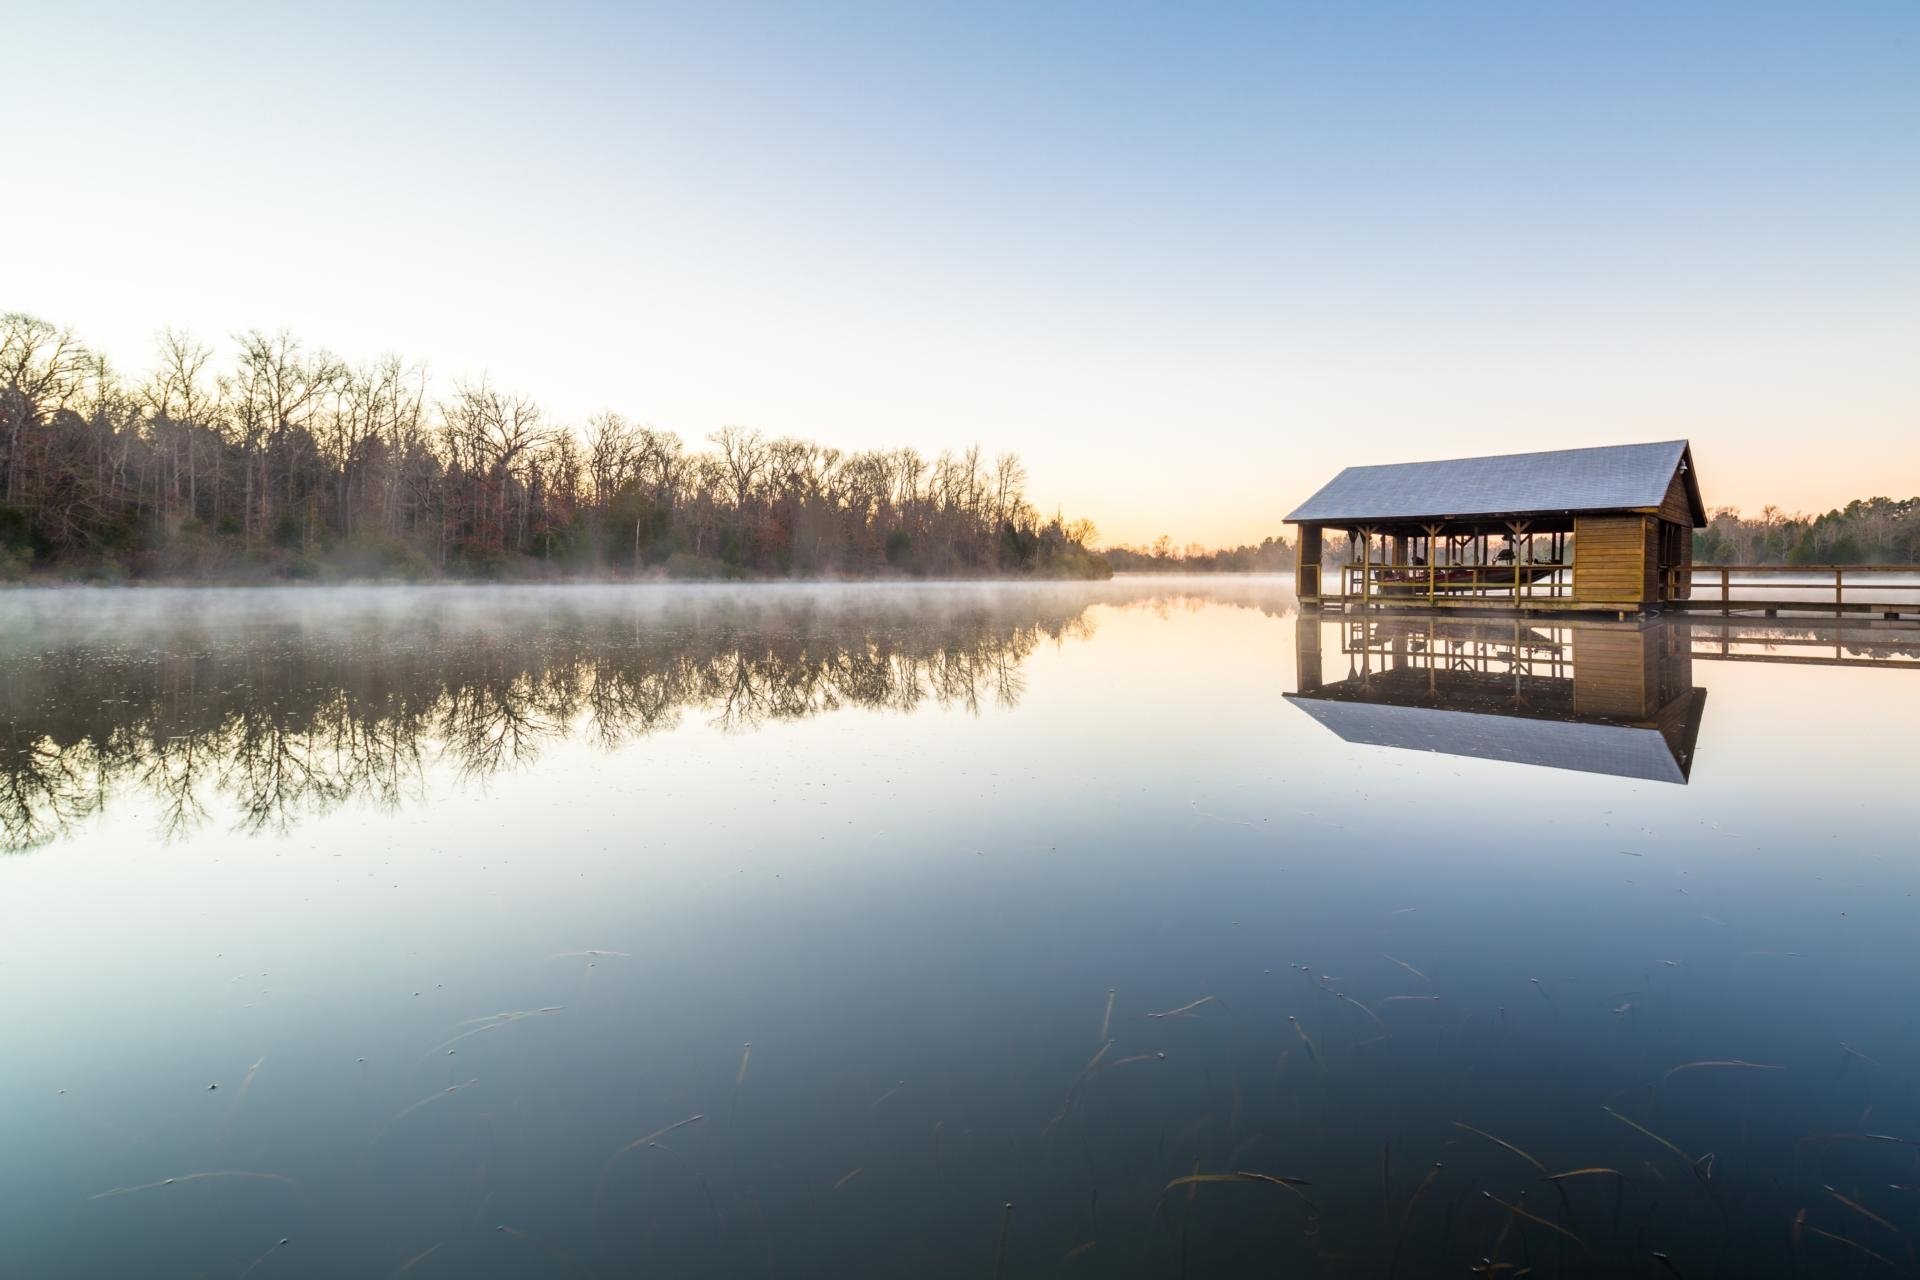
pixel 1801 642
pixel 1828 589
pixel 1883 592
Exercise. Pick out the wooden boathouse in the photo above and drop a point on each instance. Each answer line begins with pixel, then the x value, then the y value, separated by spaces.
pixel 1606 529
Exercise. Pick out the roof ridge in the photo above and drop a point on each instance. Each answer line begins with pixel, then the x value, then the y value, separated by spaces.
pixel 1604 477
pixel 1522 453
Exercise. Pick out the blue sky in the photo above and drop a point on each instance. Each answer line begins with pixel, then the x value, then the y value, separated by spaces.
pixel 1187 260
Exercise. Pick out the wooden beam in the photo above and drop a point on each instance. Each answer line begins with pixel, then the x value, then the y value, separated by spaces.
pixel 1433 531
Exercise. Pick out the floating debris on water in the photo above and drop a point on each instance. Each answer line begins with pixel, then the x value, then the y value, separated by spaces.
pixel 1500 1142
pixel 1721 1064
pixel 1184 1010
pixel 184 1178
pixel 1409 968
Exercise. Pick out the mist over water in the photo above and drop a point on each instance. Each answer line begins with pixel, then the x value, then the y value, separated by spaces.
pixel 420 918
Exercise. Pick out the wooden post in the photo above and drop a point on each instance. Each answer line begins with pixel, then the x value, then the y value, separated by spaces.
pixel 1433 531
pixel 1306 566
pixel 1518 528
pixel 1836 588
pixel 1432 661
pixel 1309 673
pixel 1514 660
pixel 1366 566
pixel 1723 592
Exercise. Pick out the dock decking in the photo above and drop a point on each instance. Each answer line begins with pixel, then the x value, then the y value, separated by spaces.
pixel 1725 590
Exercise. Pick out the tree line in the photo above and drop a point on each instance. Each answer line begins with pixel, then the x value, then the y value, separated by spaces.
pixel 276 460
pixel 1270 555
pixel 1865 531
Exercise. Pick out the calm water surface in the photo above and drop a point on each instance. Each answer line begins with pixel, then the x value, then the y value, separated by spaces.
pixel 427 932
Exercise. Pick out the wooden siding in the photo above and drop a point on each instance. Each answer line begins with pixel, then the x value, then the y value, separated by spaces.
pixel 1677 555
pixel 1615 559
pixel 1616 674
pixel 1306 564
pixel 1310 670
pixel 1650 559
pixel 1677 507
pixel 1679 724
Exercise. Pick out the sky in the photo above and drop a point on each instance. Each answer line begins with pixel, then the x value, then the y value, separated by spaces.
pixel 1186 260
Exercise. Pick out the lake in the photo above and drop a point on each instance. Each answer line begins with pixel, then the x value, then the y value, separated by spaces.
pixel 943 930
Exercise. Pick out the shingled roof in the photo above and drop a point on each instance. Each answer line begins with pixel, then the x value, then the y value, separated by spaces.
pixel 1609 478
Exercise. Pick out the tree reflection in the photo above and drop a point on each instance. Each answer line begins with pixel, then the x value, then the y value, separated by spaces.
pixel 271 723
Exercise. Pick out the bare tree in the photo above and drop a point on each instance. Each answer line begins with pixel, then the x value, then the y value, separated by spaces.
pixel 744 455
pixel 183 404
pixel 288 456
pixel 41 368
pixel 613 455
pixel 495 435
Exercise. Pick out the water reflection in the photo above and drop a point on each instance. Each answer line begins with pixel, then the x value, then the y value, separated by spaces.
pixel 1594 697
pixel 478 891
pixel 259 711
pixel 276 720
pixel 1603 697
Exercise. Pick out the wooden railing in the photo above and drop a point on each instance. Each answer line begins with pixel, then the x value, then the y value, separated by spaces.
pixel 1811 642
pixel 1528 649
pixel 1517 580
pixel 1835 588
pixel 1825 578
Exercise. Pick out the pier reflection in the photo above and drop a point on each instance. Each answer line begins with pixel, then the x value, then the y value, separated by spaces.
pixel 1592 696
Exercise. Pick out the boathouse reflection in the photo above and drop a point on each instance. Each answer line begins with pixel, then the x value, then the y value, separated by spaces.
pixel 1594 697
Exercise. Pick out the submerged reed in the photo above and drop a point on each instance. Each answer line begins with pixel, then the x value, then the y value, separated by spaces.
pixel 184 1178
